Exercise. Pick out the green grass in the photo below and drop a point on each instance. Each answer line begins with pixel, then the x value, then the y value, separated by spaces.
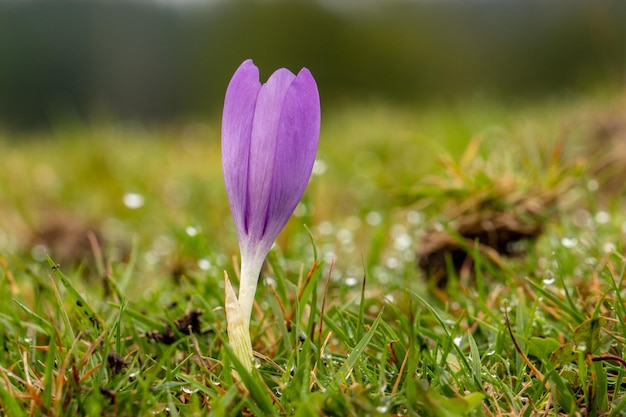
pixel 345 322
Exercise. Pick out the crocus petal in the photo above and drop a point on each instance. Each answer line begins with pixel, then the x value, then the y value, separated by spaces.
pixel 237 119
pixel 296 146
pixel 263 161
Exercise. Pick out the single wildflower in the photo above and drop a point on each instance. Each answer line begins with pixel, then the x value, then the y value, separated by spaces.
pixel 269 140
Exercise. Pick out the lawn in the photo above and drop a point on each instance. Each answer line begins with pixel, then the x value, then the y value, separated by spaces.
pixel 446 260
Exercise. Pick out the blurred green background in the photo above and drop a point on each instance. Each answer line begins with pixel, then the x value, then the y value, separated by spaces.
pixel 171 60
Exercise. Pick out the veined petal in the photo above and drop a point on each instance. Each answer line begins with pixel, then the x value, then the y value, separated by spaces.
pixel 297 139
pixel 237 119
pixel 263 149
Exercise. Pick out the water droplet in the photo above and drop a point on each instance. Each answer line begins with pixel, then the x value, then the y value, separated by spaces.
pixel 204 264
pixel 569 242
pixel 414 217
pixel 373 218
pixel 151 257
pixel 581 346
pixel 38 252
pixel 301 210
pixel 392 263
pixel 602 217
pixel 457 340
pixel 133 200
pixel 256 363
pixel 382 408
pixel 325 228
pixel 329 257
pixel 345 236
pixel 319 167
pixel 191 231
pixel 549 281
pixel 350 281
pixel 403 242
pixel 506 309
pixel 373 309
pixel 608 247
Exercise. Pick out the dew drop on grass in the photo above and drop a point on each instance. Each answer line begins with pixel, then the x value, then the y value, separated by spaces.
pixel 581 346
pixel 549 281
pixel 300 211
pixel 151 257
pixel 457 340
pixel 402 242
pixel 204 264
pixel 414 217
pixel 608 247
pixel 256 362
pixel 38 252
pixel 350 281
pixel 438 227
pixel 345 236
pixel 569 242
pixel 329 256
pixel 319 167
pixel 373 218
pixel 191 231
pixel 602 217
pixel 221 259
pixel 591 260
pixel 133 200
pixel 392 263
pixel 325 228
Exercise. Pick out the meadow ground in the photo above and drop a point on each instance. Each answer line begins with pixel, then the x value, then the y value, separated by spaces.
pixel 447 260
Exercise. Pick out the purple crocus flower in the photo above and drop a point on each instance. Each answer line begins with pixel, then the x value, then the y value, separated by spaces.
pixel 269 141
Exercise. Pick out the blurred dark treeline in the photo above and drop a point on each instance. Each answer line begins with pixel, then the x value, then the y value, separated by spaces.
pixel 155 61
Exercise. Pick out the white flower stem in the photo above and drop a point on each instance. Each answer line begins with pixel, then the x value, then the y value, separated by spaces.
pixel 239 310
